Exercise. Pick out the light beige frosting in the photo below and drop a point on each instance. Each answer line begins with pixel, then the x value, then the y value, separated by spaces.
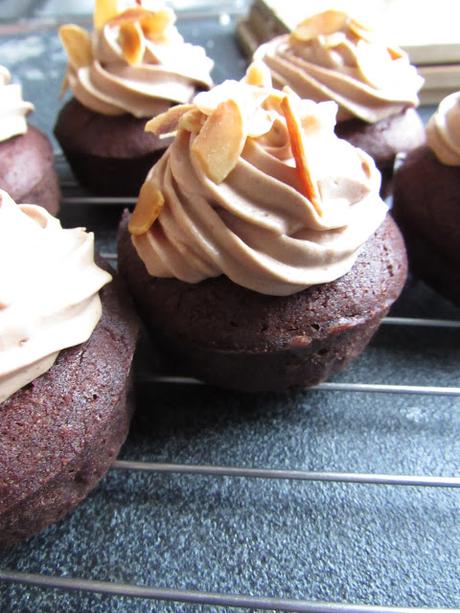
pixel 443 131
pixel 49 287
pixel 257 227
pixel 368 79
pixel 13 109
pixel 169 72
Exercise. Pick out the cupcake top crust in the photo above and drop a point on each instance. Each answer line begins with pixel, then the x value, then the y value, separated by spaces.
pixel 135 61
pixel 255 186
pixel 332 56
pixel 13 109
pixel 443 131
pixel 49 287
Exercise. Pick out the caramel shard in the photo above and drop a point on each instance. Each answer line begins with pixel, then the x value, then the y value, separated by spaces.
pixel 148 208
pixel 326 23
pixel 167 122
pixel 220 141
pixel 132 42
pixel 104 10
pixel 309 187
pixel 258 74
pixel 77 45
pixel 192 121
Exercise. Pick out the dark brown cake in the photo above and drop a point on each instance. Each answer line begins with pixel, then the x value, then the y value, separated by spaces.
pixel 237 338
pixel 27 172
pixel 109 155
pixel 60 434
pixel 384 139
pixel 427 209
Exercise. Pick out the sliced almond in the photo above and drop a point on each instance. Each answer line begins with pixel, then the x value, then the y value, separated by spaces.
pixel 132 42
pixel 309 187
pixel 155 24
pixel 258 74
pixel 396 53
pixel 360 30
pixel 77 45
pixel 104 10
pixel 148 208
pixel 220 141
pixel 165 123
pixel 192 121
pixel 64 85
pixel 327 22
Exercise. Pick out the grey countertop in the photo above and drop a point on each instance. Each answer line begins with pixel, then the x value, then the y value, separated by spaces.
pixel 333 542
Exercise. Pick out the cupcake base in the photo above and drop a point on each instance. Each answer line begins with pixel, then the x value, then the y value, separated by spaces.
pixel 60 434
pixel 239 339
pixel 427 209
pixel 109 155
pixel 27 172
pixel 384 139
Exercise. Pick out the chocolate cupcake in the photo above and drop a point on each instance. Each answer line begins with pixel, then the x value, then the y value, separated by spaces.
pixel 427 202
pixel 65 358
pixel 260 254
pixel 26 155
pixel 331 56
pixel 135 65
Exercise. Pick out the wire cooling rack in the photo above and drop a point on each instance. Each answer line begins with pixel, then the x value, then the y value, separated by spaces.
pixel 73 198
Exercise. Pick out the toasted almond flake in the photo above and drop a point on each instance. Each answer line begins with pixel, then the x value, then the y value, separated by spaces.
pixel 155 24
pixel 132 42
pixel 309 186
pixel 327 22
pixel 396 53
pixel 360 31
pixel 220 141
pixel 165 123
pixel 148 208
pixel 77 45
pixel 104 10
pixel 64 85
pixel 192 121
pixel 258 74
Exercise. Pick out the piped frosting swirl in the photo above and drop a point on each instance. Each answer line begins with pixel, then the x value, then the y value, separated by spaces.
pixel 443 131
pixel 136 62
pixel 331 56
pixel 285 207
pixel 13 109
pixel 49 287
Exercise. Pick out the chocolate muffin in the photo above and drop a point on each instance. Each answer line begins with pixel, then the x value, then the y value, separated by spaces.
pixel 427 202
pixel 239 339
pixel 26 155
pixel 331 56
pixel 133 67
pixel 261 262
pixel 64 404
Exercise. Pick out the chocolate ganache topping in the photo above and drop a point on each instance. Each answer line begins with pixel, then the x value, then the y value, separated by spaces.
pixel 134 62
pixel 332 56
pixel 256 186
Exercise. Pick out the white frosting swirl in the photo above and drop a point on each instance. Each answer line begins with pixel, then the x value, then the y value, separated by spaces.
pixel 257 227
pixel 170 72
pixel 13 109
pixel 49 287
pixel 443 131
pixel 367 79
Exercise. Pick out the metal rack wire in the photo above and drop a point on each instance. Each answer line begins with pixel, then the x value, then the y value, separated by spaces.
pixel 217 471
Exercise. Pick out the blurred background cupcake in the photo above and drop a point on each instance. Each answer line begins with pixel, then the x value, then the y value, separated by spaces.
pixel 133 66
pixel 26 155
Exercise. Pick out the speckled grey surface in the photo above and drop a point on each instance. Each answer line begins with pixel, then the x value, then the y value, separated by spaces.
pixel 333 542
